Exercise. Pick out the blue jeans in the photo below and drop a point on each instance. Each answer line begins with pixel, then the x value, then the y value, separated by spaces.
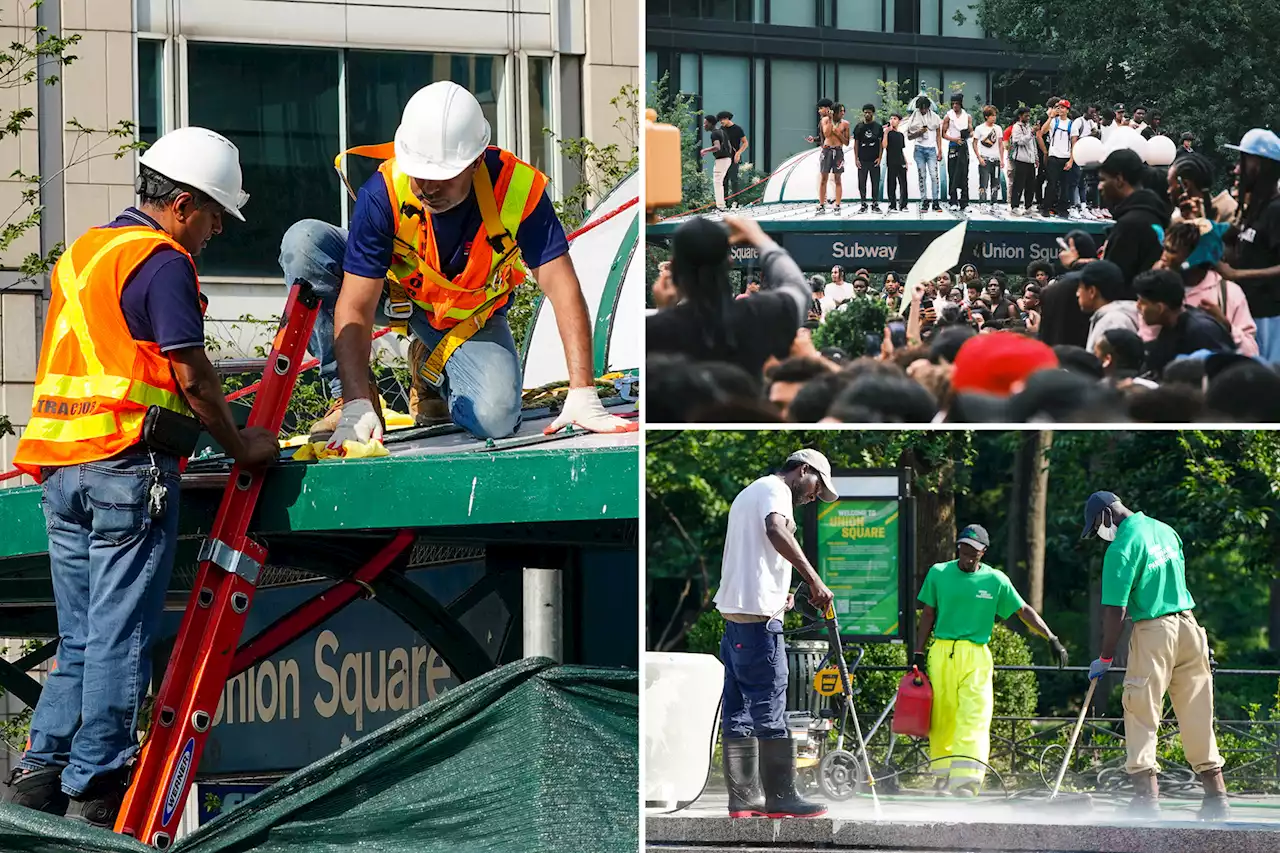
pixel 755 680
pixel 110 564
pixel 927 170
pixel 483 378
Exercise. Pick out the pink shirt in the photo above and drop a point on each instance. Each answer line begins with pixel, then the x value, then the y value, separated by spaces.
pixel 1208 292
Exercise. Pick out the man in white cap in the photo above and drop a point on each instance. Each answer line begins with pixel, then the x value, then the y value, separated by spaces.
pixel 448 227
pixel 760 549
pixel 122 372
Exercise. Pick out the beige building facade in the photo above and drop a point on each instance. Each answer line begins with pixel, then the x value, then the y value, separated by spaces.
pixel 292 83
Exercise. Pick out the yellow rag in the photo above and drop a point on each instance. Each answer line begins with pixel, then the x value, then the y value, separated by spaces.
pixel 350 450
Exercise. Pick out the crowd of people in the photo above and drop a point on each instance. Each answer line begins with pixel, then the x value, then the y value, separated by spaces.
pixel 1173 317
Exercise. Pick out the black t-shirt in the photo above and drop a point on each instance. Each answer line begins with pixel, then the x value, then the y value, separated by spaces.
pixel 763 326
pixel 867 136
pixel 896 147
pixel 1258 247
pixel 1195 330
pixel 734 135
pixel 718 135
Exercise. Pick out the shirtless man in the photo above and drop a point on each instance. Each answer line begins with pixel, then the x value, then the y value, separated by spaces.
pixel 834 134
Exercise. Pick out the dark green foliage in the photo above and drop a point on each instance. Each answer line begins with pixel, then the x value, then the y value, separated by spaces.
pixel 848 326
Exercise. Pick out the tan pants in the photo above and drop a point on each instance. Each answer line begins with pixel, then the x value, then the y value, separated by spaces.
pixel 1169 654
pixel 721 168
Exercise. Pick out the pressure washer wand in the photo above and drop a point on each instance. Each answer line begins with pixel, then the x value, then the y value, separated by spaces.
pixel 1062 771
pixel 833 630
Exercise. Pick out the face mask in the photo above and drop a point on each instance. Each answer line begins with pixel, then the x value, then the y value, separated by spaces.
pixel 1107 532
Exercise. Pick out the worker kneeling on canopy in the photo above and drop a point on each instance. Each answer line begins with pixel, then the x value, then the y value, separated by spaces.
pixel 962 599
pixel 440 238
pixel 122 370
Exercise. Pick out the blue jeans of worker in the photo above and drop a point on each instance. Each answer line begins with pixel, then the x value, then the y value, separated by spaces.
pixel 755 680
pixel 927 172
pixel 110 564
pixel 483 379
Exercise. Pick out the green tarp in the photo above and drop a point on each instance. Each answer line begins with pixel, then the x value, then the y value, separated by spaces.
pixel 530 757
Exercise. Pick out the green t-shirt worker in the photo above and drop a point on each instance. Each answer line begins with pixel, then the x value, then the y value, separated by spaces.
pixel 962 600
pixel 1144 572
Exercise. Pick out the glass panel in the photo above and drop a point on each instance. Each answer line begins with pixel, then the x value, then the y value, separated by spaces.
pixel 929 17
pixel 727 86
pixel 541 145
pixel 756 152
pixel 907 17
pixel 859 84
pixel 743 11
pixel 650 69
pixel 858 14
pixel 930 82
pixel 826 13
pixel 967 10
pixel 150 89
pixel 658 8
pixel 792 108
pixel 280 107
pixel 827 85
pixel 973 83
pixel 380 83
pixel 689 82
pixel 757 11
pixel 718 10
pixel 890 16
pixel 795 13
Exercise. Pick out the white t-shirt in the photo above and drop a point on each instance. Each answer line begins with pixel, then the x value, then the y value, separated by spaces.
pixel 956 124
pixel 994 134
pixel 1082 127
pixel 1059 138
pixel 931 122
pixel 754 577
pixel 838 292
pixel 1107 129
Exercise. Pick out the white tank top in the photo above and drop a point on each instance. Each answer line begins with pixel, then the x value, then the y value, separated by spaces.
pixel 957 124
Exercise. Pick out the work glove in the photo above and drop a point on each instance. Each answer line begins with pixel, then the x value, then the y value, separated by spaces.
pixel 1059 651
pixel 359 423
pixel 582 408
pixel 1099 668
pixel 918 661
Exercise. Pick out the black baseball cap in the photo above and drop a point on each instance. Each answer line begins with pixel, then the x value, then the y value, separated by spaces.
pixel 1188 137
pixel 975 535
pixel 1098 501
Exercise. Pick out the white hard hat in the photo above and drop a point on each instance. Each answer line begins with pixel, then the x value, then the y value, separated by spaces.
pixel 203 160
pixel 442 132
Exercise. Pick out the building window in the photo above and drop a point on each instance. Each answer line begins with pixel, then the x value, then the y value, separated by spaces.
pixel 658 8
pixel 150 90
pixel 794 13
pixel 906 16
pixel 859 15
pixel 793 114
pixel 968 11
pixel 541 144
pixel 859 84
pixel 280 107
pixel 930 11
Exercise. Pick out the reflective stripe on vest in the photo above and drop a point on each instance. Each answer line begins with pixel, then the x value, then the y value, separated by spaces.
pixel 95 382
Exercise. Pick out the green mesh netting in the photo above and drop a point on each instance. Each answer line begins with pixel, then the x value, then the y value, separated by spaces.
pixel 530 757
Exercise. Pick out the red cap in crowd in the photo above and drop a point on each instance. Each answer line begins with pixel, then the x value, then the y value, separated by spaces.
pixel 1066 104
pixel 994 363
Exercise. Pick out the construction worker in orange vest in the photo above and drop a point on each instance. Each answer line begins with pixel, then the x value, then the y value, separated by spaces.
pixel 122 372
pixel 440 237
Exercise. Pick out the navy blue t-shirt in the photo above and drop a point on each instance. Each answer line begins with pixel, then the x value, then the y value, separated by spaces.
pixel 370 239
pixel 161 302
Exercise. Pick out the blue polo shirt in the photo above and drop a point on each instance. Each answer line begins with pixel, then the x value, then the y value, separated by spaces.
pixel 161 301
pixel 541 237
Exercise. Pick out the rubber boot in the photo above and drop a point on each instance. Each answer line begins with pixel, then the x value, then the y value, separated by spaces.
pixel 36 789
pixel 425 403
pixel 741 758
pixel 100 803
pixel 778 775
pixel 1214 806
pixel 1146 794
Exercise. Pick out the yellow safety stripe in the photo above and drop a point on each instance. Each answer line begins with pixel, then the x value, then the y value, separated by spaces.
pixel 518 192
pixel 108 387
pixel 433 368
pixel 495 225
pixel 85 428
pixel 71 317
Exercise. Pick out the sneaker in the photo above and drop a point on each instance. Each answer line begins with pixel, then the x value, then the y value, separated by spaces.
pixel 875 208
pixel 835 209
pixel 822 208
pixel 36 789
pixel 863 208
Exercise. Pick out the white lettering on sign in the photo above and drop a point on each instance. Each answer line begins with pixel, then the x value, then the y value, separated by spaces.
pixel 742 254
pixel 857 251
pixel 1005 252
pixel 355 684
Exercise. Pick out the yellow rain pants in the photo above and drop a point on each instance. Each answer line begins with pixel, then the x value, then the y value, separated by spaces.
pixel 963 700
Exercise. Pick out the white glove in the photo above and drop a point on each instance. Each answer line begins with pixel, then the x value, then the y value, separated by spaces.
pixel 359 423
pixel 583 408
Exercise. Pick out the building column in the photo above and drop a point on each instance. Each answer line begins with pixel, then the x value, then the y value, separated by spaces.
pixel 544 614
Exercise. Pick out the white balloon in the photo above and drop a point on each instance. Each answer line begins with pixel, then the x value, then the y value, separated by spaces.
pixel 1089 152
pixel 1160 151
pixel 1139 147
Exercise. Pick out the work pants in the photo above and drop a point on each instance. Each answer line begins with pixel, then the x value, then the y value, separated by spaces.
pixel 1169 654
pixel 896 181
pixel 958 174
pixel 961 674
pixel 755 680
pixel 869 172
pixel 927 172
pixel 110 564
pixel 1024 178
pixel 483 380
pixel 719 172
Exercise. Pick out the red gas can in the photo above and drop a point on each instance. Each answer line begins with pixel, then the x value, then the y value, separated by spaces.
pixel 915 703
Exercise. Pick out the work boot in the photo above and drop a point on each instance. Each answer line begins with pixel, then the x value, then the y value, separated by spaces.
pixel 36 789
pixel 1214 806
pixel 100 803
pixel 1146 794
pixel 778 775
pixel 741 758
pixel 425 403
pixel 968 790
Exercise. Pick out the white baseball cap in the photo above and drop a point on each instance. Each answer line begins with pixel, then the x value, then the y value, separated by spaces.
pixel 819 463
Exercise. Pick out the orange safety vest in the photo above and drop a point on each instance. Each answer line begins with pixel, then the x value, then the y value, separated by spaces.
pixel 463 304
pixel 95 382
